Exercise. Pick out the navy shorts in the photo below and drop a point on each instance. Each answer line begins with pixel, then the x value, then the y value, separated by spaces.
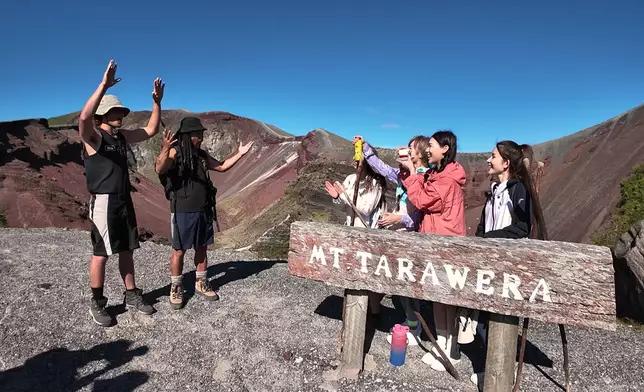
pixel 191 230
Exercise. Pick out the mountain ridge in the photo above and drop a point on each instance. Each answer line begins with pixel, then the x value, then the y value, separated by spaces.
pixel 579 190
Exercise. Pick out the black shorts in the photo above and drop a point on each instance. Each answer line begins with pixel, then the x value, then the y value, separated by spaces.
pixel 113 224
pixel 191 230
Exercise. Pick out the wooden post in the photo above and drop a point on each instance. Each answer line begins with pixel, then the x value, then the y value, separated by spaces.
pixel 355 321
pixel 356 303
pixel 501 353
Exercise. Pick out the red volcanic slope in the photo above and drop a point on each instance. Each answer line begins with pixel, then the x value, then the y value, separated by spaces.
pixel 583 172
pixel 43 181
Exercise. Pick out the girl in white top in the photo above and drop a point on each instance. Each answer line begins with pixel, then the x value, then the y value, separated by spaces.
pixel 371 205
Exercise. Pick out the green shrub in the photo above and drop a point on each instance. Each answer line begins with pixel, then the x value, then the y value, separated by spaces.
pixel 3 219
pixel 629 209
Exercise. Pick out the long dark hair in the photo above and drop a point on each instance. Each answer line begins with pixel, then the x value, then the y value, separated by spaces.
pixel 519 170
pixel 188 157
pixel 446 138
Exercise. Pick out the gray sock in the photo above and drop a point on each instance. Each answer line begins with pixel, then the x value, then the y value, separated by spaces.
pixel 176 279
pixel 201 274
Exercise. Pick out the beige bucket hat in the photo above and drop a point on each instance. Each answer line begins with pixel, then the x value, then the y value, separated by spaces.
pixel 108 103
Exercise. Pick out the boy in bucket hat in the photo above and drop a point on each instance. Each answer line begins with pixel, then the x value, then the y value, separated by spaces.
pixel 183 169
pixel 114 226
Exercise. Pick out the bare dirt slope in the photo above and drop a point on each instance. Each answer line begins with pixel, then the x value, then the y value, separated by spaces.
pixel 42 180
pixel 282 177
pixel 270 332
pixel 583 172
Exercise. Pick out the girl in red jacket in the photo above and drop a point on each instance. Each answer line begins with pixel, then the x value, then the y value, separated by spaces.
pixel 439 194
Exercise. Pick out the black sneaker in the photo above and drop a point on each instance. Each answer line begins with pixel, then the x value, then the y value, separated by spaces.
pixel 98 312
pixel 133 299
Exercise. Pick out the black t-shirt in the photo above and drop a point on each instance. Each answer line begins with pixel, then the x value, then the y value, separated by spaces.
pixel 189 194
pixel 107 170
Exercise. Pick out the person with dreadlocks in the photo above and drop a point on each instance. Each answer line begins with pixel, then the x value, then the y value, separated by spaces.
pixel 183 168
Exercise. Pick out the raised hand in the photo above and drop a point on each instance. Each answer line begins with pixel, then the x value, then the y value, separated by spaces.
pixel 244 148
pixel 157 92
pixel 331 190
pixel 406 164
pixel 109 79
pixel 356 138
pixel 169 139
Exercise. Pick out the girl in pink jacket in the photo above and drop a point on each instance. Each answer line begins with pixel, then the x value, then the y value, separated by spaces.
pixel 439 194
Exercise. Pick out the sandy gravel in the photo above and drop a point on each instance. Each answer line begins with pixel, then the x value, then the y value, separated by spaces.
pixel 270 332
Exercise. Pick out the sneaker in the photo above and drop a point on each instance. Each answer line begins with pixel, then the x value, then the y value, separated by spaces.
pixel 202 287
pixel 98 312
pixel 176 296
pixel 133 299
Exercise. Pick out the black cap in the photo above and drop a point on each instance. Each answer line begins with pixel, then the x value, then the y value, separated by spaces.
pixel 190 124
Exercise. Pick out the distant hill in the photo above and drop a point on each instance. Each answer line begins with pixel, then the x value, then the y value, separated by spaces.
pixel 282 178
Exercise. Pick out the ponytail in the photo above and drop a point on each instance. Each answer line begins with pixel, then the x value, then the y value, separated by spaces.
pixel 520 170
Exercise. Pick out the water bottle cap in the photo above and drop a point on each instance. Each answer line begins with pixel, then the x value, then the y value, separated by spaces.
pixel 401 328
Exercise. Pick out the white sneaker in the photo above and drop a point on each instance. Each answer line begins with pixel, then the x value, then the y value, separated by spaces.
pixel 451 350
pixel 477 379
pixel 440 367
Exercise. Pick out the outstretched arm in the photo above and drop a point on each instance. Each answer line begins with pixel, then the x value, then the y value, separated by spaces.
pixel 214 164
pixel 139 135
pixel 86 127
pixel 390 173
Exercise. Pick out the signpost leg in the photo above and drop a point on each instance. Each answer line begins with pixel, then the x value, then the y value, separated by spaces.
pixel 564 343
pixel 501 353
pixel 355 322
pixel 524 335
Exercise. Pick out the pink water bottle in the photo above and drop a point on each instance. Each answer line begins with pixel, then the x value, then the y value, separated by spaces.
pixel 398 345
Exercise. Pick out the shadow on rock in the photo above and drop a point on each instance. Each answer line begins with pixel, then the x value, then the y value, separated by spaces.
pixel 58 369
pixel 232 271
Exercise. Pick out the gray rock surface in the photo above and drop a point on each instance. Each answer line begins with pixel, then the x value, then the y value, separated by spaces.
pixel 628 261
pixel 270 332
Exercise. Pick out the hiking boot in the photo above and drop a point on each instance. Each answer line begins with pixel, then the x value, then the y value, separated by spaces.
pixel 133 299
pixel 202 287
pixel 176 296
pixel 98 312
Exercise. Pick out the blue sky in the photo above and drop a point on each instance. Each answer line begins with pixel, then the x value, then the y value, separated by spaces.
pixel 528 71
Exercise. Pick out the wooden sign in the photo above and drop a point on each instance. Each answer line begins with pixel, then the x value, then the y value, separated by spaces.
pixel 550 281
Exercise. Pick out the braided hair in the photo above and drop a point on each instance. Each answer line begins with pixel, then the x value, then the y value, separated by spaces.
pixel 187 158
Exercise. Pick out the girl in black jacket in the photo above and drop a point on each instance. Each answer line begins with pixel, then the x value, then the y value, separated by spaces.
pixel 512 208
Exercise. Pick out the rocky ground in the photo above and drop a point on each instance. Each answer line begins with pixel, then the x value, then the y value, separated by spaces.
pixel 270 332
